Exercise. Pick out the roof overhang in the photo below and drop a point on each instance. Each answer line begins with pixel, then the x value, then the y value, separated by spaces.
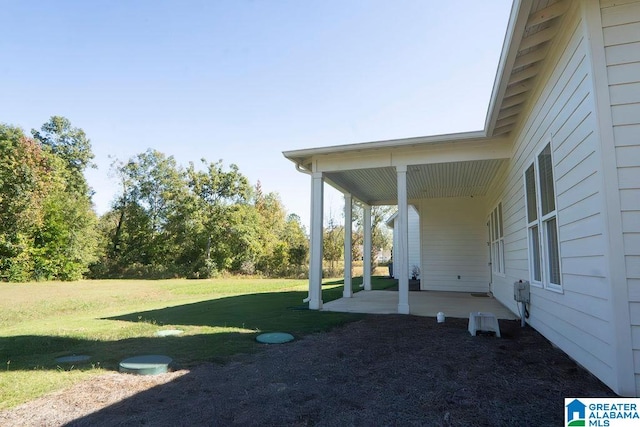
pixel 532 26
pixel 304 158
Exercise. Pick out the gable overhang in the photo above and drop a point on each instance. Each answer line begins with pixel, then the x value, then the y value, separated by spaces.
pixel 458 164
pixel 532 26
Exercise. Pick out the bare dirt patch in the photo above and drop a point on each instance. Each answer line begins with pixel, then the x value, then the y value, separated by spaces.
pixel 382 370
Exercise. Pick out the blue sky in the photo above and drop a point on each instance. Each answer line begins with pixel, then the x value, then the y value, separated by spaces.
pixel 244 80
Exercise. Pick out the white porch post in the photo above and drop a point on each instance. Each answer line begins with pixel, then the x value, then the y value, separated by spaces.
pixel 403 242
pixel 315 257
pixel 348 210
pixel 366 248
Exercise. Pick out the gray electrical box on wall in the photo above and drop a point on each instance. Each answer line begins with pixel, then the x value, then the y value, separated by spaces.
pixel 521 291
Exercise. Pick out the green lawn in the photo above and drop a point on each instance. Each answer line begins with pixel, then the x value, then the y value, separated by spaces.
pixel 110 320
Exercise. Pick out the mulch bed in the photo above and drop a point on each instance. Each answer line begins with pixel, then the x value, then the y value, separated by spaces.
pixel 382 370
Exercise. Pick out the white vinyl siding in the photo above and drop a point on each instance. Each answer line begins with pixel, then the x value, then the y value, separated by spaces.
pixel 454 246
pixel 562 108
pixel 621 33
pixel 413 239
pixel 496 237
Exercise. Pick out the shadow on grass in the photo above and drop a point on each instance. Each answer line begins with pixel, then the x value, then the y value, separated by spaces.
pixel 260 312
pixel 185 350
pixel 252 313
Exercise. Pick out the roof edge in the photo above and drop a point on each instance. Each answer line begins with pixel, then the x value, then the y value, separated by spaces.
pixel 390 143
pixel 515 30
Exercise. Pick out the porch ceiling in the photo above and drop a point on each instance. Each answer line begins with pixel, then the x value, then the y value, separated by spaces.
pixel 378 186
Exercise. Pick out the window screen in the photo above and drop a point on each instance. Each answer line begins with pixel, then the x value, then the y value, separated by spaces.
pixel 530 183
pixel 535 253
pixel 552 251
pixel 547 196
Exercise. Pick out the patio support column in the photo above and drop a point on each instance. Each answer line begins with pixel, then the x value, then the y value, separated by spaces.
pixel 315 257
pixel 348 210
pixel 403 242
pixel 366 248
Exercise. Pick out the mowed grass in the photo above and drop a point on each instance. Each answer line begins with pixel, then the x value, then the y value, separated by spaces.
pixel 111 320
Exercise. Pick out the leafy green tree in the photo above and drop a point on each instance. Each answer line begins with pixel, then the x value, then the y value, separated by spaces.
pixel 153 188
pixel 24 183
pixel 298 243
pixel 215 186
pixel 69 144
pixel 47 229
pixel 127 233
pixel 273 256
pixel 67 240
pixel 333 245
pixel 237 242
pixel 222 220
pixel 154 182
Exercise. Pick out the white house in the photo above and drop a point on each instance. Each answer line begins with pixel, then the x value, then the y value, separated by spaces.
pixel 413 237
pixel 555 173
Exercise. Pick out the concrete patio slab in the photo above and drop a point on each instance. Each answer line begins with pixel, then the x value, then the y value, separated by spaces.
pixel 423 303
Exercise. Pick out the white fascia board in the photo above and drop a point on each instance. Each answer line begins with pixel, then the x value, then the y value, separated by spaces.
pixel 457 151
pixel 513 36
pixel 391 220
pixel 301 157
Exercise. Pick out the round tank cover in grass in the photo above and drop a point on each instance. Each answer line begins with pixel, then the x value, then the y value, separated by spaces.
pixel 274 338
pixel 73 358
pixel 169 333
pixel 146 365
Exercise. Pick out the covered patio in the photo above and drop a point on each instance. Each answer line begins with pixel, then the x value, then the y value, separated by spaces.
pixel 446 178
pixel 423 303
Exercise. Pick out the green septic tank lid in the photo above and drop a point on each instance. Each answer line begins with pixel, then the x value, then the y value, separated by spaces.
pixel 274 338
pixel 146 365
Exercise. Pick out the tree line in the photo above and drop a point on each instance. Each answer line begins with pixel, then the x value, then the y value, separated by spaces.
pixel 166 220
pixel 170 221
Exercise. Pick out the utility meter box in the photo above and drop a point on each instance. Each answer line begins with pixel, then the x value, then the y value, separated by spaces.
pixel 521 291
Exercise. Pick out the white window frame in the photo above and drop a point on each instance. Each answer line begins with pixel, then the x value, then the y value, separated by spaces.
pixel 538 229
pixel 496 240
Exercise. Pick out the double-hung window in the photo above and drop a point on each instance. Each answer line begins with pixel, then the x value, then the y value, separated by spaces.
pixel 496 232
pixel 542 224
